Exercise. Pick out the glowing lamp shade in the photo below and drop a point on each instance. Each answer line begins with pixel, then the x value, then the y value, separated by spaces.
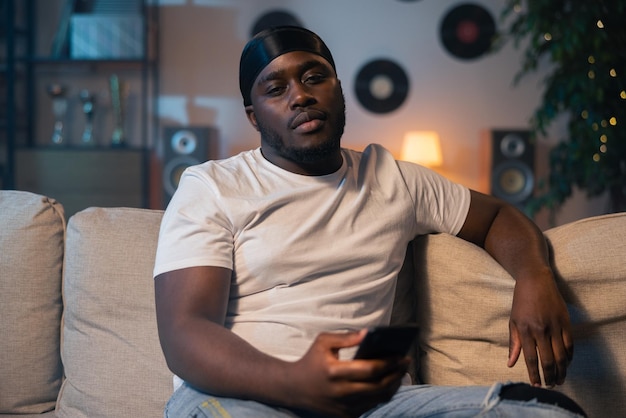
pixel 422 147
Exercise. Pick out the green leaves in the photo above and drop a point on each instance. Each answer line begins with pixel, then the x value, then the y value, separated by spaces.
pixel 585 46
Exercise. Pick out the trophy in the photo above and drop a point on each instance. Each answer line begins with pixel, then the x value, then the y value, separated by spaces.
pixel 59 109
pixel 118 93
pixel 88 101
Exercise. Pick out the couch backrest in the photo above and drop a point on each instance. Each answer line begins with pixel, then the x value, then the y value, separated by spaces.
pixel 31 260
pixel 111 353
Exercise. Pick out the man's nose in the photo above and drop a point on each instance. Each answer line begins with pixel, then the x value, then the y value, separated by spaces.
pixel 301 96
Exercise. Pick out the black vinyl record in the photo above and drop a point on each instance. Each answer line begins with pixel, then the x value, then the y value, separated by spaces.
pixel 467 31
pixel 381 86
pixel 274 18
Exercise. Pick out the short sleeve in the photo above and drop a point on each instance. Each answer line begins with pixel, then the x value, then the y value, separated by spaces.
pixel 441 205
pixel 195 230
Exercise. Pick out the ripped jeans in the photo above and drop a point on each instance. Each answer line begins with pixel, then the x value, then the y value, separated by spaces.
pixel 410 401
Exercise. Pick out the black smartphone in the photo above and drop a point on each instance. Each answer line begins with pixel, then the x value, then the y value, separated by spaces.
pixel 389 341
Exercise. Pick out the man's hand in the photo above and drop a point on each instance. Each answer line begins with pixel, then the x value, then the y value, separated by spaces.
pixel 540 324
pixel 345 388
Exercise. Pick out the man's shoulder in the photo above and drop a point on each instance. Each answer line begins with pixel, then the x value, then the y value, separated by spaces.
pixel 228 164
pixel 371 152
pixel 369 149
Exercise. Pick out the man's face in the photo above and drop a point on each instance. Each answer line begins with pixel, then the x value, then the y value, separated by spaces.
pixel 299 108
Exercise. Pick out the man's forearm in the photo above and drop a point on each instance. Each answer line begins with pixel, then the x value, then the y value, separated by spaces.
pixel 517 244
pixel 214 360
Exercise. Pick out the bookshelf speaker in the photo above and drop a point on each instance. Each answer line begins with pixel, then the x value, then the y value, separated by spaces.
pixel 513 166
pixel 184 147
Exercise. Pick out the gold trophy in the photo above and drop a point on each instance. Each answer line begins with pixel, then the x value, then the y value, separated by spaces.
pixel 118 95
pixel 88 101
pixel 59 109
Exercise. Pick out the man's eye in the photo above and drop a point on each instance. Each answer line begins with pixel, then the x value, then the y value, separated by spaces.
pixel 274 90
pixel 314 78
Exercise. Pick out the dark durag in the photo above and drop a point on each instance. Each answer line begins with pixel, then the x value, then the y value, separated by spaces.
pixel 271 43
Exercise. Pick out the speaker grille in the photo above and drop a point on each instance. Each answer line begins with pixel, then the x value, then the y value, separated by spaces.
pixel 512 175
pixel 184 147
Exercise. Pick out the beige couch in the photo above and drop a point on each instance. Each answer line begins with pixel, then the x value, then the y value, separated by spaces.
pixel 77 324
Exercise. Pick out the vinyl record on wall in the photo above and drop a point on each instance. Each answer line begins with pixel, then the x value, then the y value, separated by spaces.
pixel 467 31
pixel 381 86
pixel 274 18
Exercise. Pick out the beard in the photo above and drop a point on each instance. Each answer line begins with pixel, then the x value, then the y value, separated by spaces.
pixel 310 154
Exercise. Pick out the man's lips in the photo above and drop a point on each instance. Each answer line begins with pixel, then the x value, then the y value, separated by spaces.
pixel 307 116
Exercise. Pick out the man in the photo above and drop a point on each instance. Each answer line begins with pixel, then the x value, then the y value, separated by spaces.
pixel 272 263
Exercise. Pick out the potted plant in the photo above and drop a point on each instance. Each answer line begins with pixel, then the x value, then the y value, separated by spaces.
pixel 583 45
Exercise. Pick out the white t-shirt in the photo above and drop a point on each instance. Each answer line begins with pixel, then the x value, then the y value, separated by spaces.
pixel 308 253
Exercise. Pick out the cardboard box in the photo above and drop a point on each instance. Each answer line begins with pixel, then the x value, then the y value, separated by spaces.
pixel 96 36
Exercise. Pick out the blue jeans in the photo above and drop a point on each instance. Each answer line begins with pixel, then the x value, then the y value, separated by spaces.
pixel 410 401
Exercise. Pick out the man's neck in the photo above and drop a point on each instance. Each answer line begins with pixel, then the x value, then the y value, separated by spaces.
pixel 322 167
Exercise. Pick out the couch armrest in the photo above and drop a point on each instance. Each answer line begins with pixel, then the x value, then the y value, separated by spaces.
pixel 32 229
pixel 464 300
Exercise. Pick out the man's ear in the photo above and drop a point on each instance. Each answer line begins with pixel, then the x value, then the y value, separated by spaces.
pixel 251 117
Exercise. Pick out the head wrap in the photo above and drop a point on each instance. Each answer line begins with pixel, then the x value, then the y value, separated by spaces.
pixel 271 43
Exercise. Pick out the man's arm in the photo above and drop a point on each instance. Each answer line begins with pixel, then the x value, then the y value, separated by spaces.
pixel 539 320
pixel 191 307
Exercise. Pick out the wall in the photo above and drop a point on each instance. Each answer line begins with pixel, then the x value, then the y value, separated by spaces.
pixel 200 43
pixel 460 99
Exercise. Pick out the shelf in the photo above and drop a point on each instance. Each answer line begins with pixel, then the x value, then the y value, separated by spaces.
pixel 16 32
pixel 81 178
pixel 74 61
pixel 28 71
pixel 79 148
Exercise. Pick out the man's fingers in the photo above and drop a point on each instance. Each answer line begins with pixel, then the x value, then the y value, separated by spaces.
pixel 338 340
pixel 550 355
pixel 515 346
pixel 529 346
pixel 547 360
pixel 563 348
pixel 561 360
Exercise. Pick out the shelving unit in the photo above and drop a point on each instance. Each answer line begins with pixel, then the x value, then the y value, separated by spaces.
pixel 29 67
pixel 16 45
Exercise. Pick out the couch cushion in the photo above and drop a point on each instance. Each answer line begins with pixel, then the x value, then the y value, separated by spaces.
pixel 31 259
pixel 464 305
pixel 590 260
pixel 113 361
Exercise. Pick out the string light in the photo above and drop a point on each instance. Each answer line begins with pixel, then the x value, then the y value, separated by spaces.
pixel 596 157
pixel 584 114
pixel 613 121
pixel 622 94
pixel 613 73
pixel 591 74
pixel 600 24
pixel 591 59
pixel 603 138
pixel 547 37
